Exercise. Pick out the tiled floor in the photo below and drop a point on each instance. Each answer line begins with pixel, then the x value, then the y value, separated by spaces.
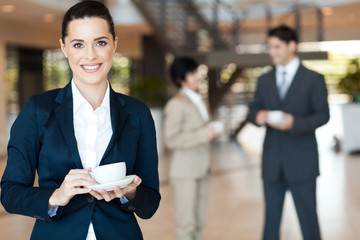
pixel 235 197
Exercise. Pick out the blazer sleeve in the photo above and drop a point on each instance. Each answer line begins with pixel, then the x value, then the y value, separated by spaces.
pixel 319 109
pixel 175 136
pixel 147 197
pixel 18 193
pixel 257 104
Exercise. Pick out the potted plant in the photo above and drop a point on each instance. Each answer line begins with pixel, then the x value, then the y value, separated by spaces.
pixel 152 91
pixel 350 84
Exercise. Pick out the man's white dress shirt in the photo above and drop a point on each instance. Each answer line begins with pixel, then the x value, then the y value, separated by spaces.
pixel 290 69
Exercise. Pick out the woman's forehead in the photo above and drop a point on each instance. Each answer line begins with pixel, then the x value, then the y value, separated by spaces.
pixel 88 28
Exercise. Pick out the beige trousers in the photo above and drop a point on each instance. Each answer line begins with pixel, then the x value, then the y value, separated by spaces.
pixel 190 207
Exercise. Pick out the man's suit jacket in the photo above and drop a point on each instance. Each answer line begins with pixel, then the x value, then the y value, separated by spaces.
pixel 42 139
pixel 292 153
pixel 185 134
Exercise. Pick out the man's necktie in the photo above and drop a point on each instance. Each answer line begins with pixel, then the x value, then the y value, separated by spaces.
pixel 282 86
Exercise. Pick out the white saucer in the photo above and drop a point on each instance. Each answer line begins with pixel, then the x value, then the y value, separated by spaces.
pixel 275 121
pixel 109 186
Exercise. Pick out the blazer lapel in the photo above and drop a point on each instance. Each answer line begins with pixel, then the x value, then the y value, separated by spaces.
pixel 208 109
pixel 64 115
pixel 294 84
pixel 118 119
pixel 273 90
pixel 187 98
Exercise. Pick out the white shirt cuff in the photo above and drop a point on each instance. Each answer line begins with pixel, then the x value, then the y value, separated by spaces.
pixel 124 200
pixel 52 211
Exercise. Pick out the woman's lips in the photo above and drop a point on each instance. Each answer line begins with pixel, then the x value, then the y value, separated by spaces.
pixel 91 68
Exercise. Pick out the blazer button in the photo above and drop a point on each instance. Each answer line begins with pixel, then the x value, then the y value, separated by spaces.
pixel 90 199
pixel 131 208
pixel 39 218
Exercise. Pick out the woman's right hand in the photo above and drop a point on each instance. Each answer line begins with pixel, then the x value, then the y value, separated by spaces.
pixel 72 185
pixel 212 134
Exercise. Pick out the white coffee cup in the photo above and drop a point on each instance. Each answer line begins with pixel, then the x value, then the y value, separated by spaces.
pixel 109 173
pixel 217 126
pixel 275 116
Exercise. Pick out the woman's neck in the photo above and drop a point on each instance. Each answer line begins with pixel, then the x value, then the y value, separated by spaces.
pixel 94 94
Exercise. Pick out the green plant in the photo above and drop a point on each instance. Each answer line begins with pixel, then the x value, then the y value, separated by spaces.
pixel 350 83
pixel 151 90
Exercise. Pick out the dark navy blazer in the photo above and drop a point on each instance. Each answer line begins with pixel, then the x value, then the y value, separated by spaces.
pixel 42 139
pixel 292 154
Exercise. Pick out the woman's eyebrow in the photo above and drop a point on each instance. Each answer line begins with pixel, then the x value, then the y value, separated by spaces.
pixel 99 38
pixel 95 39
pixel 77 40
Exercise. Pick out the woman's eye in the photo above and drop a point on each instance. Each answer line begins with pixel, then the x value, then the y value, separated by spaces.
pixel 78 45
pixel 101 43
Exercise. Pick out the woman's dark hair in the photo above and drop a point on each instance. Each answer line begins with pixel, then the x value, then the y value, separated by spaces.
pixel 87 9
pixel 284 33
pixel 180 67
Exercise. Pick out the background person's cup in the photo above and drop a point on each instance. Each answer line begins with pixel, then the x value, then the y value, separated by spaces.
pixel 275 116
pixel 217 126
pixel 109 173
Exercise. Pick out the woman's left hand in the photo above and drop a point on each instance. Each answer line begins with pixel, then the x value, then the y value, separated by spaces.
pixel 129 191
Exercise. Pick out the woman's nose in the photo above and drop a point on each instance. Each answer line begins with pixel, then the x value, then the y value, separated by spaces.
pixel 90 53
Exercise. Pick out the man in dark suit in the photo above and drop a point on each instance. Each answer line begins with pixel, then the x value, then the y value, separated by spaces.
pixel 291 102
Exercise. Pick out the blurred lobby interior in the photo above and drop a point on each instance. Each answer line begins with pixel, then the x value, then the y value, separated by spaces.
pixel 228 38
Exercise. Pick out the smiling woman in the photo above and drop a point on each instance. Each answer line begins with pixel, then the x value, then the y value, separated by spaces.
pixel 62 134
pixel 89 47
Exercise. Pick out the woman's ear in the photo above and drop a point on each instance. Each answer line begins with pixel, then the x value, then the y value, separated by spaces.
pixel 62 46
pixel 115 43
pixel 179 81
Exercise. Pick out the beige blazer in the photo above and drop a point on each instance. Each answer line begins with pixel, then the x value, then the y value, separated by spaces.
pixel 185 135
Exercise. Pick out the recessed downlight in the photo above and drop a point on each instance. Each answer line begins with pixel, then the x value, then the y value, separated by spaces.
pixel 9 8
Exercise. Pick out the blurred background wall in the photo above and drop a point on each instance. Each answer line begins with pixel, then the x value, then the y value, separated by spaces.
pixel 227 36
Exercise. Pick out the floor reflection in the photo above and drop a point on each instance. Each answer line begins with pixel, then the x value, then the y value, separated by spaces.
pixel 235 196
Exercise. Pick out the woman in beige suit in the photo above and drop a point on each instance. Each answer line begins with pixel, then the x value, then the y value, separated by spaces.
pixel 188 133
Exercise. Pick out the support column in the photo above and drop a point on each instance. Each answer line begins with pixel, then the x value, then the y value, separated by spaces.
pixel 213 75
pixel 30 73
pixel 3 112
pixel 154 63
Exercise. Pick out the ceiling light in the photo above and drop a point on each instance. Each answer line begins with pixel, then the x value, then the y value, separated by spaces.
pixel 273 3
pixel 8 8
pixel 48 17
pixel 327 11
pixel 352 17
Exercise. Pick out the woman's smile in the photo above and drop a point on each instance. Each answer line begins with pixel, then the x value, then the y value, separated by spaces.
pixel 90 68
